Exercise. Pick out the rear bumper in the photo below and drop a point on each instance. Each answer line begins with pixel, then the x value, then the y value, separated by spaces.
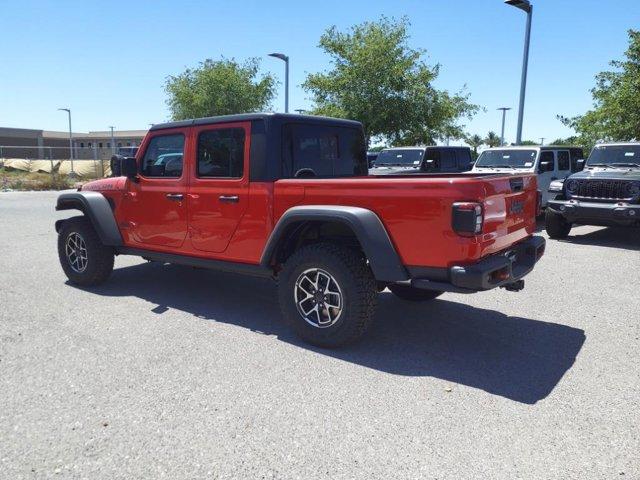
pixel 592 213
pixel 505 269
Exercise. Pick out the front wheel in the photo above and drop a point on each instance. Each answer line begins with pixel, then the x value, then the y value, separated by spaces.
pixel 328 294
pixel 83 257
pixel 555 225
pixel 407 292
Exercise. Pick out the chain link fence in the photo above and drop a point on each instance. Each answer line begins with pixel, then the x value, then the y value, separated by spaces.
pixel 93 162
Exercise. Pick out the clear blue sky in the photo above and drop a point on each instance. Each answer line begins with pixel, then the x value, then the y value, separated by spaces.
pixel 107 60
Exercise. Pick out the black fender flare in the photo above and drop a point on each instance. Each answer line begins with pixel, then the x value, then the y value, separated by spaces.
pixel 365 224
pixel 97 208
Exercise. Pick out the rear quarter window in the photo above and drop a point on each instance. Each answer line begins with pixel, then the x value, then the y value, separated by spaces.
pixel 318 151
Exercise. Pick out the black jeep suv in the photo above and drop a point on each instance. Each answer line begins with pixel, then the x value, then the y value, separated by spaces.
pixel 417 160
pixel 606 192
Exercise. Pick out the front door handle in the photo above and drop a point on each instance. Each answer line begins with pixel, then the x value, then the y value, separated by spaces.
pixel 176 197
pixel 229 198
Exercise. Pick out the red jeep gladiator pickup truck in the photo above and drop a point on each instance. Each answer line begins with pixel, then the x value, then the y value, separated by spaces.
pixel 288 196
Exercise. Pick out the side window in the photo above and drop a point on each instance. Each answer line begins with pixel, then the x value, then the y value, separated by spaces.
pixel 221 153
pixel 163 156
pixel 564 162
pixel 431 159
pixel 448 161
pixel 313 155
pixel 315 151
pixel 548 157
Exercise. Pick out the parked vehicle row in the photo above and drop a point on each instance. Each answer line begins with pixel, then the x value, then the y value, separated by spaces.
pixel 290 197
pixel 606 193
pixel 548 163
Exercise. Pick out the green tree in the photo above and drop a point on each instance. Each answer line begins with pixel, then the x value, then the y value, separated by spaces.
pixel 492 139
pixel 529 142
pixel 378 79
pixel 377 148
pixel 219 87
pixel 569 141
pixel 616 101
pixel 474 141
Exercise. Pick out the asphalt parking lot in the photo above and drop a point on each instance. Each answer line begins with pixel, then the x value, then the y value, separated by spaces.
pixel 171 372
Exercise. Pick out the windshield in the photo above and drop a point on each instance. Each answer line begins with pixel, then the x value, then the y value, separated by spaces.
pixel 404 157
pixel 622 155
pixel 507 158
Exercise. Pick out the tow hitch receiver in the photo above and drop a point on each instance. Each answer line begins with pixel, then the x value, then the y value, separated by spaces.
pixel 515 286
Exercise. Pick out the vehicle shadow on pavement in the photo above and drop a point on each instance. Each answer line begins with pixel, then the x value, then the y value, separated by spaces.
pixel 517 358
pixel 614 237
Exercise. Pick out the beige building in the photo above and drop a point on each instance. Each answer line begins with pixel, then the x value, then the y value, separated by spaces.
pixel 45 144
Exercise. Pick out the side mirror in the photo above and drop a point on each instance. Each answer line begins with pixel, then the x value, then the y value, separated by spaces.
pixel 129 167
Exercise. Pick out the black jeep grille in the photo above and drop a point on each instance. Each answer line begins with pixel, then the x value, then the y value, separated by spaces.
pixel 609 189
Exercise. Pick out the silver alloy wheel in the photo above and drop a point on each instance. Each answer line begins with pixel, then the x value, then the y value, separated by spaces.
pixel 76 251
pixel 318 298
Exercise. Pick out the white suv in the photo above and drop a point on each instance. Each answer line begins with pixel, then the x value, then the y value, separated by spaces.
pixel 548 162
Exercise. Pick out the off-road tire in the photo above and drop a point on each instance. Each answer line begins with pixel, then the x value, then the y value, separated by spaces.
pixel 555 225
pixel 406 292
pixel 355 280
pixel 99 263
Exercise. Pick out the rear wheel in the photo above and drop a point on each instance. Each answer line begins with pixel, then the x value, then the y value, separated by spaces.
pixel 328 294
pixel 412 294
pixel 83 257
pixel 556 226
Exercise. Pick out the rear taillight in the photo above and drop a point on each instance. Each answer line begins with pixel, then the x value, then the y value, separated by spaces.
pixel 467 218
pixel 538 203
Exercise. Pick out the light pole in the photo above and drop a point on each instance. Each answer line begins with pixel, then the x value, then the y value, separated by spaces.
pixel 504 113
pixel 285 59
pixel 525 6
pixel 541 141
pixel 68 110
pixel 113 145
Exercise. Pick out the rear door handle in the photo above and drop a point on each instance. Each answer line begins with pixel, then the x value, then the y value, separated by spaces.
pixel 229 198
pixel 176 197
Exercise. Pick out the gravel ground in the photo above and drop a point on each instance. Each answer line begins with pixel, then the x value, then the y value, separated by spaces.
pixel 171 372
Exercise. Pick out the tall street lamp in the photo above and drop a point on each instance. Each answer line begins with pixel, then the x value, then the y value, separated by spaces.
pixel 541 141
pixel 285 59
pixel 68 110
pixel 113 145
pixel 504 113
pixel 525 6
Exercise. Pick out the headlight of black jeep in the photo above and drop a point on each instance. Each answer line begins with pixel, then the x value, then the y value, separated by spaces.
pixel 556 186
pixel 633 189
pixel 572 186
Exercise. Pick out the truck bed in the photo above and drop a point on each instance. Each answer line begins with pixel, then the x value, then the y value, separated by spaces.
pixel 417 210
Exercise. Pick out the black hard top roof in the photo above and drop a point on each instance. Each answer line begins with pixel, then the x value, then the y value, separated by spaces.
pixel 244 117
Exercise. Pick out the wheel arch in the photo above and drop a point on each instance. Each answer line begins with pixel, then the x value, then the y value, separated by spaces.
pixel 365 225
pixel 97 209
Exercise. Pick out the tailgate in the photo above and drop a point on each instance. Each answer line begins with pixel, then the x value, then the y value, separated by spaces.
pixel 510 206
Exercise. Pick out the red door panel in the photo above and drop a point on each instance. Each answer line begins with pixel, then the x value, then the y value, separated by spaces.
pixel 155 207
pixel 219 184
